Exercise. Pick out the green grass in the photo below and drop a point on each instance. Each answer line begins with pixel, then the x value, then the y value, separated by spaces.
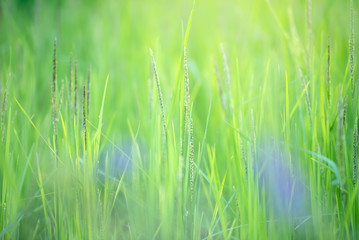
pixel 241 125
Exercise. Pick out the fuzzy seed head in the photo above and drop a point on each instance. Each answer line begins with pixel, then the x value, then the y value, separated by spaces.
pixel 75 91
pixel 84 115
pixel 164 128
pixel 70 79
pixel 355 151
pixel 88 92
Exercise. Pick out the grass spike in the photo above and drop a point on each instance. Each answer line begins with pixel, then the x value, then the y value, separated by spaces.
pixel 186 90
pixel 61 94
pixel 164 128
pixel 3 110
pixel 237 202
pixel 186 102
pixel 54 71
pixel 355 151
pixel 88 92
pixel 150 96
pixel 75 92
pixel 340 134
pixel 84 105
pixel 352 47
pixel 191 158
pixel 53 96
pixel 243 146
pixel 70 80
pixel 1 90
pixel 345 109
pixel 228 77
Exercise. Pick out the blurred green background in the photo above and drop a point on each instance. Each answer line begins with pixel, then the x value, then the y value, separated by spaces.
pixel 271 48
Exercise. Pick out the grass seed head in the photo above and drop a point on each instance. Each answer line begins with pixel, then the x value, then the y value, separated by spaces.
pixel 61 93
pixel 70 79
pixel 164 128
pixel 352 47
pixel 345 109
pixel 355 151
pixel 186 101
pixel 54 71
pixel 1 89
pixel 340 132
pixel 150 96
pixel 88 92
pixel 191 158
pixel 84 115
pixel 227 79
pixel 243 146
pixel 237 202
pixel 186 89
pixel 3 110
pixel 75 92
pixel 53 95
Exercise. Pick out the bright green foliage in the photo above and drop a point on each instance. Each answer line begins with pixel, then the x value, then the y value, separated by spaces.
pixel 238 124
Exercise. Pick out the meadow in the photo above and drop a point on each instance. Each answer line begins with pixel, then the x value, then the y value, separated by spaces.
pixel 180 119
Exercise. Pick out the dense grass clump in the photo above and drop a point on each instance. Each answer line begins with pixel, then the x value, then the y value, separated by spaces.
pixel 241 123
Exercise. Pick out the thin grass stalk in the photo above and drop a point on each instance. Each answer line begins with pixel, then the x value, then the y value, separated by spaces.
pixel 352 47
pixel 237 202
pixel 88 92
pixel 243 146
pixel 328 73
pixel 228 78
pixel 307 97
pixel 54 71
pixel 61 94
pixel 340 135
pixel 254 139
pixel 186 92
pixel 191 159
pixel 164 128
pixel 219 84
pixel 188 123
pixel 53 97
pixel 186 101
pixel 1 95
pixel 309 25
pixel 186 130
pixel 0 90
pixel 150 97
pixel 355 151
pixel 345 109
pixel 75 93
pixel 70 80
pixel 3 111
pixel 309 36
pixel 84 105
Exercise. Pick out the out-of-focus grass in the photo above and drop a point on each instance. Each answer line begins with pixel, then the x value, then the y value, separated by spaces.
pixel 274 161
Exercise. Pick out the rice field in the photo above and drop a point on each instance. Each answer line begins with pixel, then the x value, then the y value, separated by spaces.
pixel 179 119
